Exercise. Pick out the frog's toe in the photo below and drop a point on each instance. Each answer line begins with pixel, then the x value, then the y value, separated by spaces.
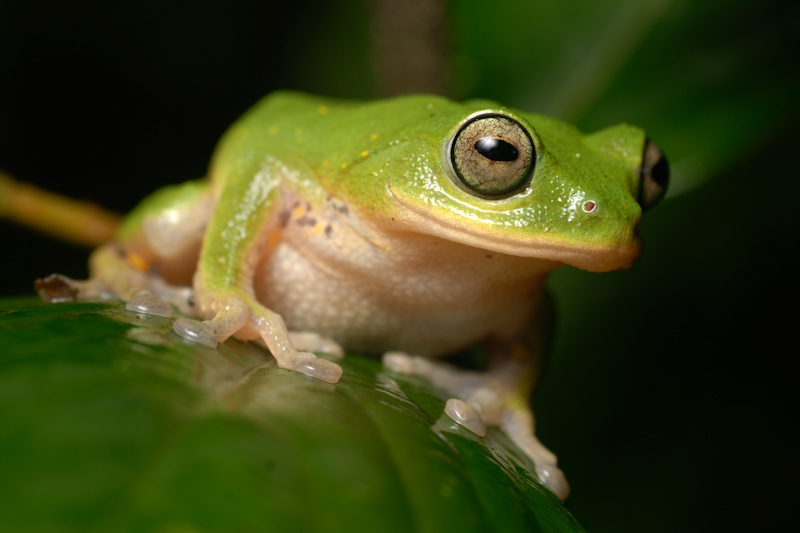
pixel 554 479
pixel 464 415
pixel 148 304
pixel 308 341
pixel 313 366
pixel 196 331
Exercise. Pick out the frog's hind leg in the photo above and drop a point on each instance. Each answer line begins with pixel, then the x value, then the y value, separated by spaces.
pixel 498 397
pixel 154 260
pixel 118 274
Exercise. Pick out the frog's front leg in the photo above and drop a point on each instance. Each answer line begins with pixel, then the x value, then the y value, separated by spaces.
pixel 235 313
pixel 243 230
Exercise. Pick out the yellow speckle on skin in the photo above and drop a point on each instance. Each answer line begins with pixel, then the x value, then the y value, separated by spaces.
pixel 273 130
pixel 298 211
pixel 365 153
pixel 344 165
pixel 298 131
pixel 137 261
pixel 324 161
pixel 323 110
pixel 374 137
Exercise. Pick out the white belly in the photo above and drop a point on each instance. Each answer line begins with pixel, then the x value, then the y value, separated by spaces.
pixel 431 298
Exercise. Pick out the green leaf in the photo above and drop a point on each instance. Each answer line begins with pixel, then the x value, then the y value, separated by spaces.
pixel 111 422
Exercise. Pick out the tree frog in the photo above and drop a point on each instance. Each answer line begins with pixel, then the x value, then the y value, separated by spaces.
pixel 413 227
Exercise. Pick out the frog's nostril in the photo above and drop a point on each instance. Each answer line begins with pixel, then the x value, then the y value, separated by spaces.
pixel 589 206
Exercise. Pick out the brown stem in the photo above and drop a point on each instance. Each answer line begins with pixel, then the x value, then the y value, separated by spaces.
pixel 76 221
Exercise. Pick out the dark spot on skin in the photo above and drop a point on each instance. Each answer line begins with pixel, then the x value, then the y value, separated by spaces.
pixel 190 300
pixel 306 221
pixel 308 207
pixel 343 209
pixel 296 204
pixel 283 218
pixel 488 256
pixel 328 230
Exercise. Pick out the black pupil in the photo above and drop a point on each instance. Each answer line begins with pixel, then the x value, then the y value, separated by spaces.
pixel 660 171
pixel 496 149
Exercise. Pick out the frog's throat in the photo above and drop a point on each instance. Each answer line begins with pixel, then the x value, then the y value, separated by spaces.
pixel 546 247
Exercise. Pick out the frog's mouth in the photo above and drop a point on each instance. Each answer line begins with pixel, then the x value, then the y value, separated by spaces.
pixel 620 253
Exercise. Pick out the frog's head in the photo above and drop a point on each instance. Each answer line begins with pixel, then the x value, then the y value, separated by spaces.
pixel 527 185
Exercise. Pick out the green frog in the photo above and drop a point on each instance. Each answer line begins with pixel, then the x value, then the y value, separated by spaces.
pixel 413 227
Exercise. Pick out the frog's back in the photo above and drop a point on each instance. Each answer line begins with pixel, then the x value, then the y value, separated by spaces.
pixel 326 131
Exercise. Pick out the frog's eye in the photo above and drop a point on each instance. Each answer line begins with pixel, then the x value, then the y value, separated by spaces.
pixel 493 156
pixel 654 176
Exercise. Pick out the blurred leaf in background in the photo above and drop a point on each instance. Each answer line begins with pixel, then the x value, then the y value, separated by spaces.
pixel 669 399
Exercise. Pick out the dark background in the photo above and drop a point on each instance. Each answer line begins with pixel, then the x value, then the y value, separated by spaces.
pixel 671 399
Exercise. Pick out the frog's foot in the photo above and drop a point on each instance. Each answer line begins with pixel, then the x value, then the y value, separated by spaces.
pixel 486 399
pixel 518 424
pixel 250 320
pixel 59 288
pixel 56 288
pixel 118 274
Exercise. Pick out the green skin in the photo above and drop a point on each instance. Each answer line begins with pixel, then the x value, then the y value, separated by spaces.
pixel 348 183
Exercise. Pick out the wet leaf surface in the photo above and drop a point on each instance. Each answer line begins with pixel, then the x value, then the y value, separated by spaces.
pixel 112 422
